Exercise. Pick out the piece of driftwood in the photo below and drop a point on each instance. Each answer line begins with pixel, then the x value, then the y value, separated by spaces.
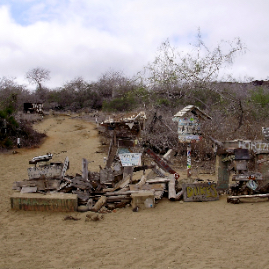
pixel 118 198
pixel 247 198
pixel 28 189
pixel 78 182
pixel 141 182
pixel 179 195
pixel 158 180
pixel 171 187
pixel 99 204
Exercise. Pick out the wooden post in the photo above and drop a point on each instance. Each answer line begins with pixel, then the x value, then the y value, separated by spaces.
pixel 85 169
pixel 189 160
pixel 171 188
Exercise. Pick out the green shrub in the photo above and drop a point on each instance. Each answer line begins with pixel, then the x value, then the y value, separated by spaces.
pixel 260 97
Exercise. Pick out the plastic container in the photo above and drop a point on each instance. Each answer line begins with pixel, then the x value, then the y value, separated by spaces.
pixel 148 203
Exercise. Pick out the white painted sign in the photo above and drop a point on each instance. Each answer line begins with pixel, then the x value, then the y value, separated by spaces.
pixel 48 171
pixel 257 147
pixel 188 129
pixel 130 159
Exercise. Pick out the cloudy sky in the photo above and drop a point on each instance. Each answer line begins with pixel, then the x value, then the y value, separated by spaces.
pixel 87 38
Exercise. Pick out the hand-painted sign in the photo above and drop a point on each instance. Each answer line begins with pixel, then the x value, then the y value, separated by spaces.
pixel 130 159
pixel 200 192
pixel 188 129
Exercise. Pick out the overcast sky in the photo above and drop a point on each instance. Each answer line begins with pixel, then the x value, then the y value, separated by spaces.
pixel 87 38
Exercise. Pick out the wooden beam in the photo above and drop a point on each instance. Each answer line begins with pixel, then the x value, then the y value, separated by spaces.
pixel 171 188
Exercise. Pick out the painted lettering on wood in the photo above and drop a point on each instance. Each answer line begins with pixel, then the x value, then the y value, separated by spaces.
pixel 200 192
pixel 130 159
pixel 257 147
pixel 49 171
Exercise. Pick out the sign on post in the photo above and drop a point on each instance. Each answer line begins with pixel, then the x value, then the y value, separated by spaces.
pixel 130 159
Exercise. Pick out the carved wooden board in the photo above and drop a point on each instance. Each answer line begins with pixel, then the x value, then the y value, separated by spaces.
pixel 200 192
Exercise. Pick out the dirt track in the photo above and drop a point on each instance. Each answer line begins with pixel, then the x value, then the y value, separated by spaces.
pixel 172 235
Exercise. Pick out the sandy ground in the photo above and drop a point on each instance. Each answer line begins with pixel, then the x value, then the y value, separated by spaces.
pixel 171 235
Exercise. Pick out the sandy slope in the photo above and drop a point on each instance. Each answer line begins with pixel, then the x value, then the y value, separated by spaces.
pixel 172 235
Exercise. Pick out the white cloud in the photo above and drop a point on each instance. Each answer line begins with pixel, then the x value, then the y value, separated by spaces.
pixel 87 37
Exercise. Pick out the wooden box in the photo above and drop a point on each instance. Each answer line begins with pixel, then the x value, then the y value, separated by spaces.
pixel 60 202
pixel 139 199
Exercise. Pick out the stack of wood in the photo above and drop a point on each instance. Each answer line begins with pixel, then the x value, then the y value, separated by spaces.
pixel 112 187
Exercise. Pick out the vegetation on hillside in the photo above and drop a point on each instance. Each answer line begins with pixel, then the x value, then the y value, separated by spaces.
pixel 172 81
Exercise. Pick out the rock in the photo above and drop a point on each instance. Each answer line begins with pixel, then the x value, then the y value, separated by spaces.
pixel 83 208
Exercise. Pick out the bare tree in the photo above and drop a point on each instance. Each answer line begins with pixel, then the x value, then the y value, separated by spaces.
pixel 37 76
pixel 175 74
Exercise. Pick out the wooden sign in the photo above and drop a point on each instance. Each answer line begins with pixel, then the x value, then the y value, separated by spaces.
pixel 48 171
pixel 198 192
pixel 130 159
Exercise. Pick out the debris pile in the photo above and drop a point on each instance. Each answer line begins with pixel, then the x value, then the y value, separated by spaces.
pixel 246 164
pixel 114 186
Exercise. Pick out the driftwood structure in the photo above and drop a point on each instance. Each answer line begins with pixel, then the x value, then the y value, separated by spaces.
pixel 246 164
pixel 113 186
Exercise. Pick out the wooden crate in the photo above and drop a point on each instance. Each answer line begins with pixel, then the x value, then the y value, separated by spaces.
pixel 139 198
pixel 60 202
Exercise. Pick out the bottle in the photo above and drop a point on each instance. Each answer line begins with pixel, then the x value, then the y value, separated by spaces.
pixel 148 203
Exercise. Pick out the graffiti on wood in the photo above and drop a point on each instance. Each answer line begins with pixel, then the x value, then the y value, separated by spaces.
pixel 200 192
pixel 48 171
pixel 254 146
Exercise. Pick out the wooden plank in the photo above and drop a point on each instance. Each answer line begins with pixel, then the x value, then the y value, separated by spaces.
pixel 47 171
pixel 59 202
pixel 141 182
pixel 158 180
pixel 139 198
pixel 161 163
pixel 222 173
pixel 99 204
pixel 171 187
pixel 65 167
pixel 248 198
pixel 28 189
pixel 198 192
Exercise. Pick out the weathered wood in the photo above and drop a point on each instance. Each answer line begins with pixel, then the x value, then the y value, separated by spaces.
pixel 111 155
pixel 167 155
pixel 248 198
pixel 197 192
pixel 222 173
pixel 119 193
pixel 158 180
pixel 118 198
pixel 106 175
pixel 179 195
pixel 99 204
pixel 85 169
pixel 65 167
pixel 28 189
pixel 123 183
pixel 161 163
pixel 171 187
pixel 141 182
pixel 139 198
pixel 60 202
pixel 46 171
pixel 127 172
